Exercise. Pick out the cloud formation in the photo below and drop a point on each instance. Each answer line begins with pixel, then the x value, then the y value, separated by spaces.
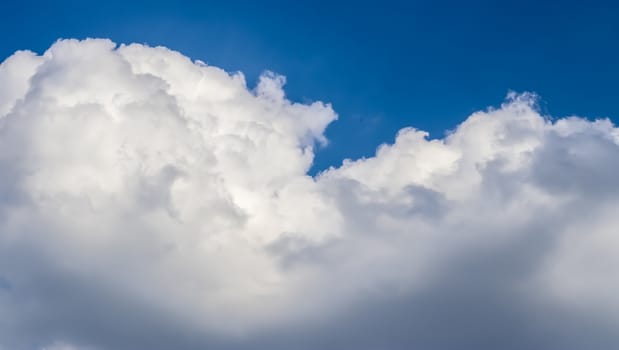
pixel 152 202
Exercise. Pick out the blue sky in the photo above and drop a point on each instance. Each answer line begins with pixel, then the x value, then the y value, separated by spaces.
pixel 383 65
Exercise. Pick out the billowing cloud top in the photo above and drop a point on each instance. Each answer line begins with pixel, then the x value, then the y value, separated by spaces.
pixel 152 202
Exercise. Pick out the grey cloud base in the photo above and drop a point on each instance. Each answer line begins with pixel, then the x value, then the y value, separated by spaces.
pixel 152 202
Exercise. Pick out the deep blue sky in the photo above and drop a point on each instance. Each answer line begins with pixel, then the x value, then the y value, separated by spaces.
pixel 383 65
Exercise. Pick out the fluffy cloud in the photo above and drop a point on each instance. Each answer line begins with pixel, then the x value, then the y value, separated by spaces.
pixel 152 202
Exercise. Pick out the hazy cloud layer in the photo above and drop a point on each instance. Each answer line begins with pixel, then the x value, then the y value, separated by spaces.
pixel 152 202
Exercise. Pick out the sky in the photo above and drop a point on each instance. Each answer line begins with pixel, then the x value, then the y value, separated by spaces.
pixel 316 175
pixel 382 65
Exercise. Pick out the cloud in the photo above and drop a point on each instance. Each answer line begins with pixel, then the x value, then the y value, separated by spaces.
pixel 148 201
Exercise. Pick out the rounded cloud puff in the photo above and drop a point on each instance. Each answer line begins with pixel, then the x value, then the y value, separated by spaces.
pixel 148 201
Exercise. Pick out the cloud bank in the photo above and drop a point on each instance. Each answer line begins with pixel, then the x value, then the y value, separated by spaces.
pixel 152 202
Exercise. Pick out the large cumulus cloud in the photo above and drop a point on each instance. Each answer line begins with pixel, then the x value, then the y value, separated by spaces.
pixel 152 202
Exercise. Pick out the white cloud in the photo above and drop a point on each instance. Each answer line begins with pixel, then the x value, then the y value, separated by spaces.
pixel 144 197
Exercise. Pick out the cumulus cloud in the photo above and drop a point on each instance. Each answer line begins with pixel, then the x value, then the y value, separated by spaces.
pixel 152 202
